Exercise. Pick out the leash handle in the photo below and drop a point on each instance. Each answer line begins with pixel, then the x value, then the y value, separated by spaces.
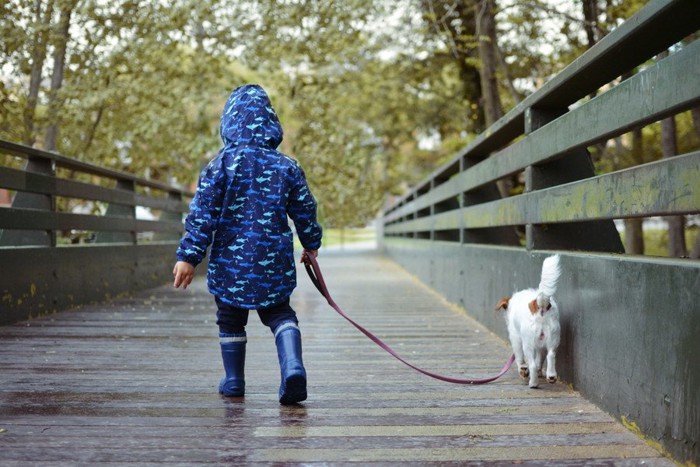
pixel 314 272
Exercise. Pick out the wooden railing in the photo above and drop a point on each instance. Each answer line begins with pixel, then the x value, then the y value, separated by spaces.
pixel 564 204
pixel 75 233
pixel 36 216
pixel 629 322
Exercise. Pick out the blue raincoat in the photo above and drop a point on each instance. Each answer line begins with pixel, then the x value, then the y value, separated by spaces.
pixel 241 206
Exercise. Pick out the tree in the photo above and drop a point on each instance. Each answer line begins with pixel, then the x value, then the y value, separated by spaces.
pixel 62 36
pixel 486 36
pixel 127 81
pixel 676 224
pixel 634 235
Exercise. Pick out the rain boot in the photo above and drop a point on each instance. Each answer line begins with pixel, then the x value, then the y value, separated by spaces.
pixel 233 355
pixel 293 385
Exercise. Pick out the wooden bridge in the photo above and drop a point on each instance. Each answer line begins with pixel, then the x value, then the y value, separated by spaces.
pixel 135 381
pixel 127 372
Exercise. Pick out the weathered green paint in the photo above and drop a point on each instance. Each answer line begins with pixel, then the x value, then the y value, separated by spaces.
pixel 641 99
pixel 664 187
pixel 41 280
pixel 656 27
pixel 629 324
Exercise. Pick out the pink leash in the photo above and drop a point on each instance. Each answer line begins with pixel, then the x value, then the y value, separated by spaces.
pixel 317 278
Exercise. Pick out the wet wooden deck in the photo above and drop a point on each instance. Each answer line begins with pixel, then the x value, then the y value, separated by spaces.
pixel 135 382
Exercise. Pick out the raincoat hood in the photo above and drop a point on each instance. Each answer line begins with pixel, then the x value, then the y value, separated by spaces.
pixel 248 119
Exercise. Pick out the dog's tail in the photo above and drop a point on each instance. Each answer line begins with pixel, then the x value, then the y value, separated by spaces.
pixel 548 282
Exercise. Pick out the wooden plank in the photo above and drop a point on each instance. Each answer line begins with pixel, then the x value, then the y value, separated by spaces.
pixel 665 187
pixel 84 167
pixel 32 219
pixel 166 204
pixel 21 180
pixel 134 381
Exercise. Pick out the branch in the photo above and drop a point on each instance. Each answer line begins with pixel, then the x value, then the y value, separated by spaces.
pixel 517 97
pixel 447 32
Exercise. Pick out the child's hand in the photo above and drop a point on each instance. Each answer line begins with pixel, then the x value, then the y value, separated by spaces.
pixel 306 254
pixel 184 273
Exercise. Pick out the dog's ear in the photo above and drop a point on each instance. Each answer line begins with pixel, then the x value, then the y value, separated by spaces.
pixel 503 303
pixel 533 307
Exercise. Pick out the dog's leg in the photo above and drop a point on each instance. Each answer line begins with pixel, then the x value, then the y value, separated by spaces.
pixel 524 370
pixel 517 344
pixel 520 357
pixel 540 361
pixel 534 382
pixel 531 353
pixel 551 369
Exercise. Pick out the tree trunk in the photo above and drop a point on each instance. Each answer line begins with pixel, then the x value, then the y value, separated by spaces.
pixel 486 35
pixel 669 148
pixel 696 119
pixel 59 59
pixel 634 235
pixel 695 252
pixel 488 55
pixel 676 224
pixel 590 16
pixel 35 76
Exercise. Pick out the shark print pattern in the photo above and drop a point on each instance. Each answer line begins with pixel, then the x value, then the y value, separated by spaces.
pixel 244 199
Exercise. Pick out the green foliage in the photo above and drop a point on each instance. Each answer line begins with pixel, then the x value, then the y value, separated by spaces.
pixel 373 96
pixel 140 92
pixel 656 240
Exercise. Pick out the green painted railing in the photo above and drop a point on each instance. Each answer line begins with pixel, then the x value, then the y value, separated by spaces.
pixel 630 323
pixel 76 233
pixel 546 136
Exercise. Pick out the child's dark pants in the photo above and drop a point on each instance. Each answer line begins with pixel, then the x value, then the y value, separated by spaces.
pixel 232 320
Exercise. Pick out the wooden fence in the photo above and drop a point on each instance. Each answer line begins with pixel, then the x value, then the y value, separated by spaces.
pixel 76 233
pixel 629 323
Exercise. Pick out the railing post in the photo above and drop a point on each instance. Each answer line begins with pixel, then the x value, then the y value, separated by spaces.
pixel 170 216
pixel 484 194
pixel 443 206
pixel 33 201
pixel 119 210
pixel 575 165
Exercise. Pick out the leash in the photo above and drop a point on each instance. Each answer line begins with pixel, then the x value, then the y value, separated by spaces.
pixel 314 272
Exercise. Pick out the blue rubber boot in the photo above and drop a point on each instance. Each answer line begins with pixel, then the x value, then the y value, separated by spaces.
pixel 233 355
pixel 293 385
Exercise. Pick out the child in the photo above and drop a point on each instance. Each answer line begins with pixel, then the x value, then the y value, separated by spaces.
pixel 240 207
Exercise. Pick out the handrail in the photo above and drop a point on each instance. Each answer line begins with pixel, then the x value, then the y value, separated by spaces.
pixel 553 127
pixel 34 218
pixel 21 150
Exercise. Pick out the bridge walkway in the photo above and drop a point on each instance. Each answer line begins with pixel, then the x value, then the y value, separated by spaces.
pixel 134 381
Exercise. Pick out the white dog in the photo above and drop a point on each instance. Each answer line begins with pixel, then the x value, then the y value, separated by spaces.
pixel 533 324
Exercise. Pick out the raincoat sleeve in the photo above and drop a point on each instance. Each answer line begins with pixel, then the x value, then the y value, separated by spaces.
pixel 205 210
pixel 301 209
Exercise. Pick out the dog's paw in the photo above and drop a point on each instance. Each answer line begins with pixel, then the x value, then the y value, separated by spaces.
pixel 551 379
pixel 524 372
pixel 534 385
